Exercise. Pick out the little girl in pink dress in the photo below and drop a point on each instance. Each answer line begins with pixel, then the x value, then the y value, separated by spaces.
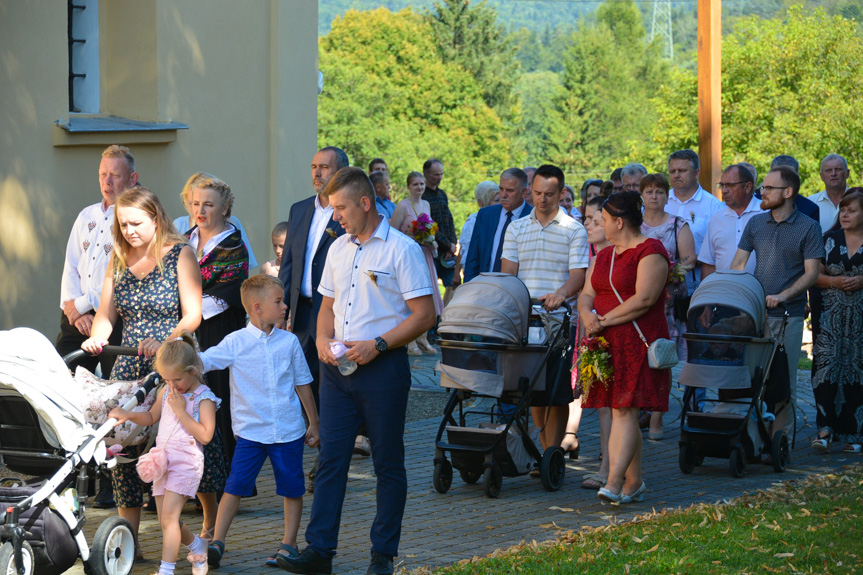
pixel 187 411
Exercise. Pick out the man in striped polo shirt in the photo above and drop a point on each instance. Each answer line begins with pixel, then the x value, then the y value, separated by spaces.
pixel 547 250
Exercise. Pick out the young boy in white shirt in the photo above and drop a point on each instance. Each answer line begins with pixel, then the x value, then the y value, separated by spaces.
pixel 269 380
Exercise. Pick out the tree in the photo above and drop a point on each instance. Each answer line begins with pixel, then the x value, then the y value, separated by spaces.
pixel 470 35
pixel 389 94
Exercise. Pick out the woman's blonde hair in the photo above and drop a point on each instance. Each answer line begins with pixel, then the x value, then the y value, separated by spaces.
pixel 205 181
pixel 143 199
pixel 485 192
pixel 180 354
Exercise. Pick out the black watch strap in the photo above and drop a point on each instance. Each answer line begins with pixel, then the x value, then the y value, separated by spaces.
pixel 381 344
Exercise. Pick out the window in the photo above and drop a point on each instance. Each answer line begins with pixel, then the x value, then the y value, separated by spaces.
pixel 83 37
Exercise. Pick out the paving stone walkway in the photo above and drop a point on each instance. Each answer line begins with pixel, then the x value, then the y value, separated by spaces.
pixel 442 529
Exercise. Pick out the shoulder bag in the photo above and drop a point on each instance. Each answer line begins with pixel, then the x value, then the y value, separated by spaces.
pixel 662 353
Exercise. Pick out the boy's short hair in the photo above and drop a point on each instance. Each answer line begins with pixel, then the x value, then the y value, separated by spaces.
pixel 253 289
pixel 281 228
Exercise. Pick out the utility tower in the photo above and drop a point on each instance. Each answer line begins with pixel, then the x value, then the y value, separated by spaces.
pixel 661 27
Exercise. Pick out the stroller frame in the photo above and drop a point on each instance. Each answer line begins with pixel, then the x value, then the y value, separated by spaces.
pixel 726 436
pixel 484 455
pixel 112 534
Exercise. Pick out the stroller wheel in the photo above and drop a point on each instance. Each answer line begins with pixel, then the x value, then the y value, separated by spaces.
pixel 442 477
pixel 7 559
pixel 780 453
pixel 686 458
pixel 553 468
pixel 469 477
pixel 492 481
pixel 113 551
pixel 736 461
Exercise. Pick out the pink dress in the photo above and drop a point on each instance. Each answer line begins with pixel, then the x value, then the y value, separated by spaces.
pixel 184 454
pixel 410 216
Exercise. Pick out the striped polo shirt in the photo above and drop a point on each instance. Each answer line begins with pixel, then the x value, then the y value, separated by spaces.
pixel 546 254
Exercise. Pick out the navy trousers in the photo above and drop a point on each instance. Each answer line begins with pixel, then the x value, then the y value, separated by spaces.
pixel 375 394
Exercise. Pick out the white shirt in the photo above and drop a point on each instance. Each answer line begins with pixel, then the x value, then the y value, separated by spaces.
pixel 723 234
pixel 371 282
pixel 545 255
pixel 466 233
pixel 88 252
pixel 182 225
pixel 828 212
pixel 210 306
pixel 497 233
pixel 265 370
pixel 320 219
pixel 696 211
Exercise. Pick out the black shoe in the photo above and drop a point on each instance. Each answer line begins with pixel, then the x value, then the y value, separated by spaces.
pixel 105 497
pixel 309 562
pixel 380 564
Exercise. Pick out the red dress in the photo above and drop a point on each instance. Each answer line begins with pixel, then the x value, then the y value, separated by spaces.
pixel 635 384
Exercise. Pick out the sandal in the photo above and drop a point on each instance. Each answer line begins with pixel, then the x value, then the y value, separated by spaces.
pixel 593 482
pixel 852 448
pixel 573 451
pixel 821 442
pixel 215 551
pixel 291 552
pixel 208 534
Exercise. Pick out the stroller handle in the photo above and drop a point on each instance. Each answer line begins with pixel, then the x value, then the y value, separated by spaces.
pixel 565 304
pixel 69 358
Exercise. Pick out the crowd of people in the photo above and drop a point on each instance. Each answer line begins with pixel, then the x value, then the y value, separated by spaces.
pixel 314 350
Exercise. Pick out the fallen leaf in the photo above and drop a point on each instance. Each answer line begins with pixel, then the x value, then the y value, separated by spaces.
pixel 564 509
pixel 783 555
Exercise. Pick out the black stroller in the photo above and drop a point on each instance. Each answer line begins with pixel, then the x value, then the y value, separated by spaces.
pixel 44 433
pixel 486 352
pixel 732 350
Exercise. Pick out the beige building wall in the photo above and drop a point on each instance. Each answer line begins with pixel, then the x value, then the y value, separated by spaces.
pixel 242 74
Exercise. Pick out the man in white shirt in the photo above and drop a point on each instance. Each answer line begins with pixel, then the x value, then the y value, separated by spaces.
pixel 726 226
pixel 690 201
pixel 834 174
pixel 88 252
pixel 377 297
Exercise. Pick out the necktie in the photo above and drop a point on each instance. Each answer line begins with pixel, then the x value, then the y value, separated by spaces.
pixel 499 252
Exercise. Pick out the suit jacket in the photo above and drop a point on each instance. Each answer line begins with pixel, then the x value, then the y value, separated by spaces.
pixel 294 253
pixel 481 249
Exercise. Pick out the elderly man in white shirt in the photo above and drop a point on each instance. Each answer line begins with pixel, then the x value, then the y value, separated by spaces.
pixel 726 226
pixel 834 174
pixel 377 297
pixel 87 255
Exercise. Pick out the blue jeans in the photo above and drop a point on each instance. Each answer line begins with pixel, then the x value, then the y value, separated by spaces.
pixel 375 394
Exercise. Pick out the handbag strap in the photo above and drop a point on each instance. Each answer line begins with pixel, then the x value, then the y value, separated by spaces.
pixel 614 289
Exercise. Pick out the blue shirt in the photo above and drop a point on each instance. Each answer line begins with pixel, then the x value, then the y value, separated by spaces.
pixel 265 369
pixel 385 207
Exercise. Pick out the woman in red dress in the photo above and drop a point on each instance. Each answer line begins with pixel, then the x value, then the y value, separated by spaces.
pixel 640 273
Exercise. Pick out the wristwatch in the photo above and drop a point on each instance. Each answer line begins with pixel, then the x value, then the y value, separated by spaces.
pixel 381 344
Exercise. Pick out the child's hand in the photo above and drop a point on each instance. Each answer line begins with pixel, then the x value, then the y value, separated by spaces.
pixel 120 414
pixel 177 402
pixel 313 439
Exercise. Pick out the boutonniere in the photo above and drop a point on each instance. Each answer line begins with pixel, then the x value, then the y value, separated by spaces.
pixel 332 232
pixel 692 216
pixel 373 276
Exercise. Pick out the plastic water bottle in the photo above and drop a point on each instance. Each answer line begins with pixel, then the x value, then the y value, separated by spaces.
pixel 346 366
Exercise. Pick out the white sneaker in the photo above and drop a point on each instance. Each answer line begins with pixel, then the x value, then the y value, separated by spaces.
pixel 362 447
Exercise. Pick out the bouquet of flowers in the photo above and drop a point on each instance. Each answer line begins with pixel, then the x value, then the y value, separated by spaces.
pixel 594 363
pixel 423 229
pixel 676 273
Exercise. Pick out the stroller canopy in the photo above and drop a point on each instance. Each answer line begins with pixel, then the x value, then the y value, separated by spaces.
pixel 734 289
pixel 30 367
pixel 491 305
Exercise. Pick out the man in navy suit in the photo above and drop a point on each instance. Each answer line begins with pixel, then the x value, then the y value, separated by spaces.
pixel 311 231
pixel 486 242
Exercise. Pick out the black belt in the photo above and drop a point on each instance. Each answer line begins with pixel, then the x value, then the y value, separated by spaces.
pixel 306 300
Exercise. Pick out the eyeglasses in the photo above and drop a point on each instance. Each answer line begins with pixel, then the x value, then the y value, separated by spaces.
pixel 726 186
pixel 771 188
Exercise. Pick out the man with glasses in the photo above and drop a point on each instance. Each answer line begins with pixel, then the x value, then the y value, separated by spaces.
pixel 615 179
pixel 789 250
pixel 804 205
pixel 834 174
pixel 726 226
pixel 630 177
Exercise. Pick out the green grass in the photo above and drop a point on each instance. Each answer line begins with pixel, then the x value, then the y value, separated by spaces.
pixel 813 526
pixel 804 363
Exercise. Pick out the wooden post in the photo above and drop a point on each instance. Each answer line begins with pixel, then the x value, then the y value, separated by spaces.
pixel 710 91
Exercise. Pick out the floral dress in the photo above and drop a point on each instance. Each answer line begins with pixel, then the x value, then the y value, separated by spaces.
pixel 667 233
pixel 837 379
pixel 410 216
